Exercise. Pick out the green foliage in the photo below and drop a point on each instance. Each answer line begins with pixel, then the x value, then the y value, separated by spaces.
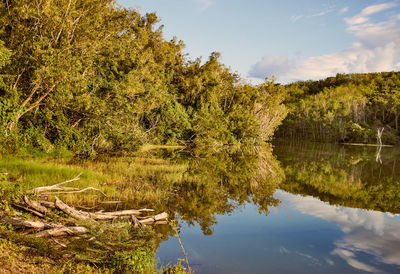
pixel 345 108
pixel 141 260
pixel 91 76
pixel 347 176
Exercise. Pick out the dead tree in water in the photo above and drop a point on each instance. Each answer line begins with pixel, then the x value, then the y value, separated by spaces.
pixel 379 148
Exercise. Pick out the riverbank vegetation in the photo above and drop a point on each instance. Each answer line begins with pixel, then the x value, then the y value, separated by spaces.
pixel 91 76
pixel 345 108
pixel 342 175
pixel 195 185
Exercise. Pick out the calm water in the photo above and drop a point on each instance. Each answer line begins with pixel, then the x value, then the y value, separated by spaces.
pixel 308 208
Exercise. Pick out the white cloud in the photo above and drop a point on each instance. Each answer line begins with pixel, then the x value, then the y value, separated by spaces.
pixel 362 16
pixel 376 48
pixel 204 4
pixel 269 66
pixel 295 18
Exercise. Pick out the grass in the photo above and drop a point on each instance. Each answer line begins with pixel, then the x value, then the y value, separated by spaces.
pixel 141 179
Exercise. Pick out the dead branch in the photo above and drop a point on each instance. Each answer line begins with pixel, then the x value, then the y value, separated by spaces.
pixel 63 231
pixel 28 209
pixel 76 191
pixel 48 204
pixel 34 204
pixel 25 223
pixel 136 223
pixel 54 187
pixel 153 219
pixel 71 211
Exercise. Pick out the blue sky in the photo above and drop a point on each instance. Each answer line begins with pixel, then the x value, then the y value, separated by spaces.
pixel 290 39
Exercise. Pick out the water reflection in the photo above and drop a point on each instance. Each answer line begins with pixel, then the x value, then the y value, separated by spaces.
pixel 365 232
pixel 342 175
pixel 220 182
pixel 336 210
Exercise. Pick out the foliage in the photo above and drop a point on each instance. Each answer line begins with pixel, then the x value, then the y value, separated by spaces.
pixel 345 108
pixel 91 76
pixel 347 176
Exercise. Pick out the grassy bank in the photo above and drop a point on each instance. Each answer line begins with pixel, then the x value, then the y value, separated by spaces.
pixel 136 180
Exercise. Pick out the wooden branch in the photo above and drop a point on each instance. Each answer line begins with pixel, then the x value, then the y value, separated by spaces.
pixel 34 204
pixel 48 204
pixel 76 191
pixel 17 80
pixel 28 209
pixel 53 187
pixel 41 98
pixel 63 231
pixel 153 219
pixel 71 211
pixel 25 223
pixel 34 89
pixel 136 223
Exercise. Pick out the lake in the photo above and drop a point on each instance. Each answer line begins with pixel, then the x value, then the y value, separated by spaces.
pixel 305 208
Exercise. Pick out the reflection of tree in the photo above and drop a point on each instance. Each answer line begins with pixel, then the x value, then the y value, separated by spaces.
pixel 342 175
pixel 219 182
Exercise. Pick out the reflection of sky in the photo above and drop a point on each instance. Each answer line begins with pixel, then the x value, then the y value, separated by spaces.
pixel 301 235
pixel 365 231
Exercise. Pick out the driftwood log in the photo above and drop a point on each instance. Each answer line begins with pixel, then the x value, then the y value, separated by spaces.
pixel 56 187
pixel 41 208
pixel 25 223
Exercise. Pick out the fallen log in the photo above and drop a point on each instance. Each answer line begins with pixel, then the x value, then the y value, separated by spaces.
pixel 136 223
pixel 26 223
pixel 153 219
pixel 70 210
pixel 75 191
pixel 34 204
pixel 55 187
pixel 63 231
pixel 47 204
pixel 28 209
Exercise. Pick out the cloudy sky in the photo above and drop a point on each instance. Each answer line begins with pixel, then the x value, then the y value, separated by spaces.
pixel 290 39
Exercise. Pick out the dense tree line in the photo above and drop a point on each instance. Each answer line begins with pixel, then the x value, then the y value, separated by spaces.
pixel 347 176
pixel 345 108
pixel 90 76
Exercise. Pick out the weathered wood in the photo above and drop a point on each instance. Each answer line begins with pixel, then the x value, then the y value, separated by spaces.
pixel 161 223
pixel 75 191
pixel 34 204
pixel 48 204
pixel 26 223
pixel 136 223
pixel 54 187
pixel 63 231
pixel 121 212
pixel 70 210
pixel 28 209
pixel 153 219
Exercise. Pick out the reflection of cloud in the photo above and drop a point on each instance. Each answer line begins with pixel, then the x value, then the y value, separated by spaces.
pixel 283 250
pixel 367 231
pixel 377 48
pixel 349 258
pixel 311 259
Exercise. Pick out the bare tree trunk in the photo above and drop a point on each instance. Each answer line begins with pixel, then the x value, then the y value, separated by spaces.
pixel 10 126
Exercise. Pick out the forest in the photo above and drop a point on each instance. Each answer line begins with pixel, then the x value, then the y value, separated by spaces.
pixel 345 108
pixel 91 76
